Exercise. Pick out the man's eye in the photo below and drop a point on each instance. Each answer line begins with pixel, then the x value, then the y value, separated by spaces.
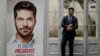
pixel 30 19
pixel 20 18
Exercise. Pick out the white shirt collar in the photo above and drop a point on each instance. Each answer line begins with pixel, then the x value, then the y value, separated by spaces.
pixel 15 40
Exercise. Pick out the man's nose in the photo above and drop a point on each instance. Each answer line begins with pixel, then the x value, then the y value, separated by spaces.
pixel 25 23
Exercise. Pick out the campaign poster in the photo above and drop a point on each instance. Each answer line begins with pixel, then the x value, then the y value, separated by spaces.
pixel 25 27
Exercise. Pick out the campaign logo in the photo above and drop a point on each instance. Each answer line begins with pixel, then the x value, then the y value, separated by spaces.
pixel 24 50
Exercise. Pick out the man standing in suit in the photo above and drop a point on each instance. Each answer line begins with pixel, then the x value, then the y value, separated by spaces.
pixel 69 24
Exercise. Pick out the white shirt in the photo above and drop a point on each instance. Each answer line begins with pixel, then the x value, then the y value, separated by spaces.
pixel 69 18
pixel 16 48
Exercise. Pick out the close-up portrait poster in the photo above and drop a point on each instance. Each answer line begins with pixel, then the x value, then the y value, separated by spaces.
pixel 24 27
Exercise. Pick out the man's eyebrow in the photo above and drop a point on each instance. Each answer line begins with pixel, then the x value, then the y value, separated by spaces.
pixel 19 17
pixel 26 18
pixel 30 17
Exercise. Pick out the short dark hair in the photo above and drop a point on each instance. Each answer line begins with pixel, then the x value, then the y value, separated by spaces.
pixel 71 8
pixel 25 5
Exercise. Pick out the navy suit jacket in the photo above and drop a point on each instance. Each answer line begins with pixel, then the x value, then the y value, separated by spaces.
pixel 65 23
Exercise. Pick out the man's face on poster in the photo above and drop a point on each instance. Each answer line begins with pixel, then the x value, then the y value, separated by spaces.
pixel 25 22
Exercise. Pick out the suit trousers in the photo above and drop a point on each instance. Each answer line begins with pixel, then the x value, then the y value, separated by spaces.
pixel 65 39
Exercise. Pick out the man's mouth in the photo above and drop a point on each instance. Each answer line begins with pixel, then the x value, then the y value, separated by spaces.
pixel 25 29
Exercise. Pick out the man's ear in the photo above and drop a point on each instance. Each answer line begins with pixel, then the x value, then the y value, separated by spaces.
pixel 35 21
pixel 14 20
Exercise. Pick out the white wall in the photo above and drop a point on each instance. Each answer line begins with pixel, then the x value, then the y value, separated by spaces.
pixel 98 22
pixel 2 27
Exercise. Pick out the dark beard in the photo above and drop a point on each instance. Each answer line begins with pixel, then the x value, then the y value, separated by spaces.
pixel 24 36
